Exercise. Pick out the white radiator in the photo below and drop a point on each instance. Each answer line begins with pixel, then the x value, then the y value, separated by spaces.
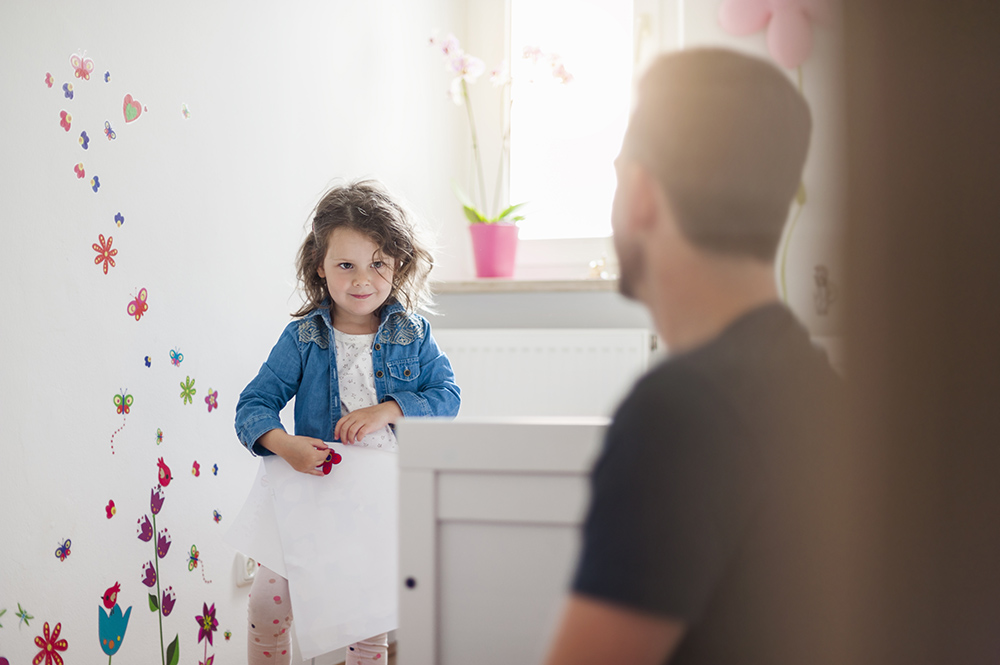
pixel 544 372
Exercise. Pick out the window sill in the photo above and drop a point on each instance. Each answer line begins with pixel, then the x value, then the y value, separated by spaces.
pixel 502 285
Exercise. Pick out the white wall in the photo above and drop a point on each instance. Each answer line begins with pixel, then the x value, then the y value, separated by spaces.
pixel 283 98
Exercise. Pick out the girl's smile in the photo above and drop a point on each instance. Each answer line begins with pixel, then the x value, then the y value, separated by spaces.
pixel 358 278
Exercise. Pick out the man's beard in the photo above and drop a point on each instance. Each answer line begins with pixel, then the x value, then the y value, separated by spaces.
pixel 631 267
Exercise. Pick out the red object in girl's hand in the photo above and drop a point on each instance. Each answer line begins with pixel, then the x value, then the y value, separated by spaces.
pixel 332 458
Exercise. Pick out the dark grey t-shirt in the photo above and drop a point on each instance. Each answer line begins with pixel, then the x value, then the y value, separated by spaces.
pixel 709 496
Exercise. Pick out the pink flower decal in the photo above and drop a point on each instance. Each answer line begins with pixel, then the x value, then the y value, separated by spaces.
pixel 105 254
pixel 156 498
pixel 145 529
pixel 48 79
pixel 80 171
pixel 212 399
pixel 788 24
pixel 149 574
pixel 50 645
pixel 196 469
pixel 65 120
pixel 162 543
pixel 168 600
pixel 110 508
pixel 207 623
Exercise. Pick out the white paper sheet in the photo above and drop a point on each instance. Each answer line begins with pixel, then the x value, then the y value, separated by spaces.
pixel 338 534
pixel 254 532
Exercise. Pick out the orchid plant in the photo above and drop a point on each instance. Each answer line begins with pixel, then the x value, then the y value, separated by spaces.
pixel 467 69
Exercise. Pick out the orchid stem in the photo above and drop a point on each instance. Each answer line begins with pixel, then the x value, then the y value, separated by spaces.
pixel 475 148
pixel 159 610
pixel 504 139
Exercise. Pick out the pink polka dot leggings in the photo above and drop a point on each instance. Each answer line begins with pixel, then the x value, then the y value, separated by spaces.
pixel 269 616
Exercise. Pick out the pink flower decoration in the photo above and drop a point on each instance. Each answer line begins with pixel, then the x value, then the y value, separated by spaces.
pixel 149 574
pixel 110 508
pixel 212 400
pixel 162 543
pixel 48 79
pixel 156 498
pixel 788 23
pixel 105 255
pixel 80 171
pixel 50 645
pixel 167 603
pixel 65 120
pixel 145 529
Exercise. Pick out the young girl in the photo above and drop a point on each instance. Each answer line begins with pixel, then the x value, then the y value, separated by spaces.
pixel 356 360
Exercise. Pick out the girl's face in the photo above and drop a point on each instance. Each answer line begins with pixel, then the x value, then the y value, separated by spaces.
pixel 359 279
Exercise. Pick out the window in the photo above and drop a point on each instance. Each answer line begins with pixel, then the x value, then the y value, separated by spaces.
pixel 564 138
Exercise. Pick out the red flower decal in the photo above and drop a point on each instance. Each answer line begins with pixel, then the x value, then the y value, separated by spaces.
pixel 50 645
pixel 105 254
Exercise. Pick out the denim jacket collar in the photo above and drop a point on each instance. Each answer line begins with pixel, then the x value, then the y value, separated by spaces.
pixel 323 311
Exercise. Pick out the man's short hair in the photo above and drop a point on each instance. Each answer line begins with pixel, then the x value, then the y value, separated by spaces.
pixel 726 136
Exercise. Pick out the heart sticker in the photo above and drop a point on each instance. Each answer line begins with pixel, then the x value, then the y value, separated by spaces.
pixel 131 108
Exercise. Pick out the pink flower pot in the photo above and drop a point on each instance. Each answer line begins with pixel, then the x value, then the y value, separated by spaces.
pixel 495 247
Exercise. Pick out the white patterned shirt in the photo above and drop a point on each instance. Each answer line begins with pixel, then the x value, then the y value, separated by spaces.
pixel 356 377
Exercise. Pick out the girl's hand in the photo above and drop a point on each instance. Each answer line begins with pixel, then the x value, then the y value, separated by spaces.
pixel 303 453
pixel 353 427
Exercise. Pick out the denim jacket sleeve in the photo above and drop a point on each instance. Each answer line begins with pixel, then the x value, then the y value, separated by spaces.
pixel 275 384
pixel 436 393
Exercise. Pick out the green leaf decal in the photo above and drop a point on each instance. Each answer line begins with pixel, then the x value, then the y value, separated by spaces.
pixel 153 605
pixel 174 651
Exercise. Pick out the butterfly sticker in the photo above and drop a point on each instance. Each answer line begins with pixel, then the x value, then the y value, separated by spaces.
pixel 82 66
pixel 123 403
pixel 193 558
pixel 176 357
pixel 63 550
pixel 216 516
pixel 110 133
pixel 138 306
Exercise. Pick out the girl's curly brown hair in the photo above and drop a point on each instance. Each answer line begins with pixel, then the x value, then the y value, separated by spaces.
pixel 367 207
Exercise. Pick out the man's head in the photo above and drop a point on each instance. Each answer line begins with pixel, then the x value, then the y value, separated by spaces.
pixel 723 138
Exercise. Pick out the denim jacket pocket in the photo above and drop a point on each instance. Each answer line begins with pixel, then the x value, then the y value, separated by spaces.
pixel 405 369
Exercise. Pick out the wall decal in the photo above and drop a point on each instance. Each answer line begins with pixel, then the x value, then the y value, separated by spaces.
pixel 163 472
pixel 95 183
pixel 167 600
pixel 23 616
pixel 196 469
pixel 82 66
pixel 148 361
pixel 68 90
pixel 193 562
pixel 207 624
pixel 227 635
pixel 50 646
pixel 176 357
pixel 188 390
pixel 4 661
pixel 48 79
pixel 62 552
pixel 215 469
pixel 2 612
pixel 212 399
pixel 131 109
pixel 139 306
pixel 216 516
pixel 123 405
pixel 159 436
pixel 107 77
pixel 185 112
pixel 111 627
pixel 151 571
pixel 119 219
pixel 110 508
pixel 84 140
pixel 111 595
pixel 105 254
pixel 79 171
pixel 110 133
pixel 65 120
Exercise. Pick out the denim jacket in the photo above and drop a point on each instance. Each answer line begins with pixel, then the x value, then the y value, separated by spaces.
pixel 409 368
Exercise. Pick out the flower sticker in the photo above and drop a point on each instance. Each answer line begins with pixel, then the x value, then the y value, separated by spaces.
pixel 162 543
pixel 110 508
pixel 145 529
pixel 95 183
pixel 68 90
pixel 84 140
pixel 207 623
pixel 50 646
pixel 148 361
pixel 111 627
pixel 212 399
pixel 107 77
pixel 168 600
pixel 188 390
pixel 65 120
pixel 48 79
pixel 80 171
pixel 216 516
pixel 215 469
pixel 156 498
pixel 196 469
pixel 148 574
pixel 119 219
pixel 105 254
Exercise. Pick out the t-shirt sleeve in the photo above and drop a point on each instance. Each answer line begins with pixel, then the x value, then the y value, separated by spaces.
pixel 670 495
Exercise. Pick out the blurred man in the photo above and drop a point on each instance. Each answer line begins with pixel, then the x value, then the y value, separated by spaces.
pixel 706 539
